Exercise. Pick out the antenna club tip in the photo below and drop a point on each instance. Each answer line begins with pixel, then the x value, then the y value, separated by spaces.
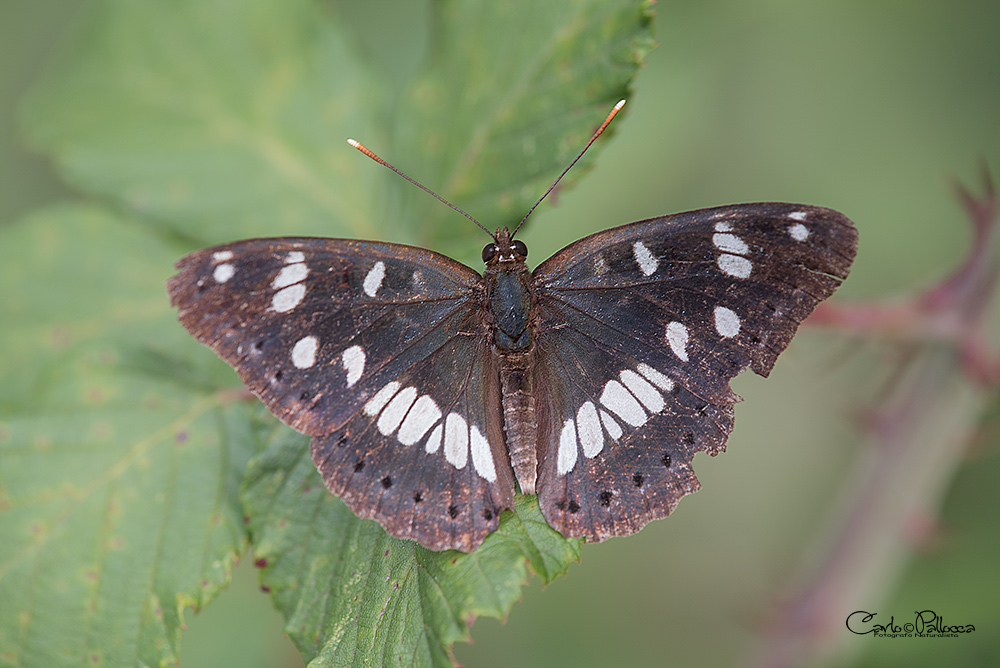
pixel 621 103
pixel 352 142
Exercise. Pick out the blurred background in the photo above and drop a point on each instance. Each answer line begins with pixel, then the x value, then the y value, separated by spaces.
pixel 875 109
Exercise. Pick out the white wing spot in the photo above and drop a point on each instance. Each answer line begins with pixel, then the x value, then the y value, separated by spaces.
pixel 566 458
pixel 290 274
pixel 677 337
pixel 727 323
pixel 600 266
pixel 614 431
pixel 422 416
pixel 223 273
pixel 396 411
pixel 798 215
pixel 588 428
pixel 734 265
pixel 655 377
pixel 730 243
pixel 620 401
pixel 353 360
pixel 289 298
pixel 482 458
pixel 434 440
pixel 799 232
pixel 643 391
pixel 381 398
pixel 222 256
pixel 646 261
pixel 724 226
pixel 295 256
pixel 456 440
pixel 304 352
pixel 373 281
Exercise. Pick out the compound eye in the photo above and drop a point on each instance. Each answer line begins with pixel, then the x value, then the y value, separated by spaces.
pixel 490 253
pixel 520 250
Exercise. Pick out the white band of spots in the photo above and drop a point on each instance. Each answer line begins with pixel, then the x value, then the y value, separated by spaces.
pixel 411 415
pixel 304 352
pixel 634 396
pixel 799 232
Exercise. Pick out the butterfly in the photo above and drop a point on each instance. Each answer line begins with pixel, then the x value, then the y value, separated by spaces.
pixel 432 392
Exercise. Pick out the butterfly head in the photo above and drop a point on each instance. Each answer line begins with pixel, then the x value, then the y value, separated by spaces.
pixel 504 249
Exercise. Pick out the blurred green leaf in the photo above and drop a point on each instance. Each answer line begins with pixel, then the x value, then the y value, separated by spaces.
pixel 219 118
pixel 352 595
pixel 118 489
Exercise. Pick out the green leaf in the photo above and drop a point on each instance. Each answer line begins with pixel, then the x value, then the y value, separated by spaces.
pixel 511 94
pixel 354 596
pixel 118 484
pixel 211 120
pixel 220 118
pixel 225 119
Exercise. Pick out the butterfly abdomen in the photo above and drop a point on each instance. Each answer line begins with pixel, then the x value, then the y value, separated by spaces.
pixel 520 431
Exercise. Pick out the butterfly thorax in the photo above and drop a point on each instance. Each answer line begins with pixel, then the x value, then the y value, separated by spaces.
pixel 508 290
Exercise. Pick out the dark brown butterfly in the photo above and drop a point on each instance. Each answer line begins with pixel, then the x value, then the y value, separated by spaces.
pixel 429 389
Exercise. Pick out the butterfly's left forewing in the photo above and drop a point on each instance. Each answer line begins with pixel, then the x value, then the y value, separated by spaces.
pixel 378 352
pixel 640 328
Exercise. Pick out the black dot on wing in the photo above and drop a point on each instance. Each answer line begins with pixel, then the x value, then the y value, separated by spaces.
pixel 561 505
pixel 665 459
pixel 277 374
pixel 605 498
pixel 574 507
pixel 305 395
pixel 359 466
pixel 689 437
pixel 386 482
pixel 418 497
pixel 453 511
pixel 487 514
pixel 637 479
pixel 342 440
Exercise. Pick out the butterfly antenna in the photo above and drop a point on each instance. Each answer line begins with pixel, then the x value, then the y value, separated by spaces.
pixel 607 121
pixel 364 149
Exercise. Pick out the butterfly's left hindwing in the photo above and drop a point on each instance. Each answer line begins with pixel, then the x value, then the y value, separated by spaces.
pixel 640 329
pixel 377 351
